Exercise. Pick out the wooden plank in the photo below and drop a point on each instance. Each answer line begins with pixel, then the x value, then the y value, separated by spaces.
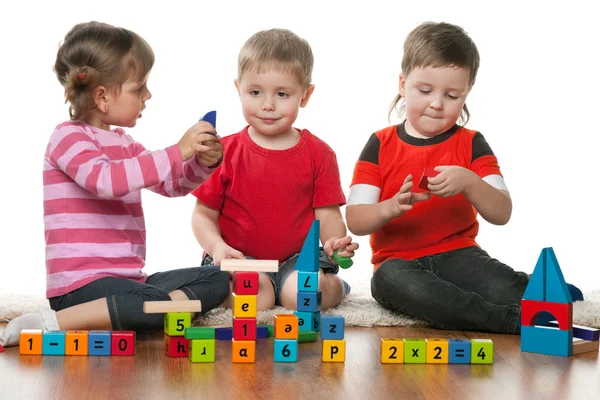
pixel 250 265
pixel 156 307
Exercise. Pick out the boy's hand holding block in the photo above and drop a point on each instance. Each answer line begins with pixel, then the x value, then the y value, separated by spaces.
pixel 427 173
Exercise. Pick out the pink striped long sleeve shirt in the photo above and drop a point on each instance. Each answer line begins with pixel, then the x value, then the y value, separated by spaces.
pixel 94 222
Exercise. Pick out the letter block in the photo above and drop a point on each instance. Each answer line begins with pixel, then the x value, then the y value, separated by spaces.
pixel 437 351
pixel 76 343
pixel 244 328
pixel 415 351
pixel 309 301
pixel 202 350
pixel 30 341
pixel 308 321
pixel 245 282
pixel 175 323
pixel 123 343
pixel 332 327
pixel 53 343
pixel 286 326
pixel 482 351
pixel 244 306
pixel 176 346
pixel 243 351
pixel 308 281
pixel 460 351
pixel 99 343
pixel 334 350
pixel 285 350
pixel 392 351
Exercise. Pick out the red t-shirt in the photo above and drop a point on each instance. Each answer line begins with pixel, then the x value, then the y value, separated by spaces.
pixel 434 226
pixel 267 197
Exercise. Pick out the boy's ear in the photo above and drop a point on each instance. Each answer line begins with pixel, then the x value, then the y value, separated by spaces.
pixel 237 86
pixel 402 84
pixel 307 95
pixel 101 96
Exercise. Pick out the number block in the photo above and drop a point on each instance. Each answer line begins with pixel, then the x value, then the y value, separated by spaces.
pixel 76 343
pixel 286 326
pixel 286 350
pixel 176 346
pixel 202 350
pixel 415 351
pixel 123 343
pixel 99 343
pixel 245 283
pixel 243 351
pixel 332 327
pixel 460 351
pixel 244 328
pixel 30 341
pixel 308 281
pixel 244 306
pixel 176 323
pixel 437 351
pixel 334 350
pixel 53 343
pixel 309 301
pixel 392 351
pixel 482 351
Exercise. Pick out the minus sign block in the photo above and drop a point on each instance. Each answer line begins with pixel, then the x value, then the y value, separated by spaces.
pixel 250 265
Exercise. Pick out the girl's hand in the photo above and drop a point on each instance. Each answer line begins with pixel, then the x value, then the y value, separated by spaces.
pixel 452 180
pixel 345 246
pixel 223 251
pixel 212 155
pixel 404 199
pixel 193 140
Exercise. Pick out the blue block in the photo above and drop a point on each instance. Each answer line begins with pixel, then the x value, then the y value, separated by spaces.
pixel 211 117
pixel 308 260
pixel 332 327
pixel 262 332
pixel 286 350
pixel 53 343
pixel 308 281
pixel 557 290
pixel 224 333
pixel 309 301
pixel 459 351
pixel 308 321
pixel 555 342
pixel 99 343
pixel 581 332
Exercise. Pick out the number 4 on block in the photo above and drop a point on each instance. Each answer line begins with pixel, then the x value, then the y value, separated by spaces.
pixel 482 351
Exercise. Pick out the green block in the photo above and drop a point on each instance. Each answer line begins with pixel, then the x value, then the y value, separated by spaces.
pixel 343 262
pixel 202 350
pixel 176 323
pixel 482 351
pixel 307 336
pixel 270 328
pixel 415 351
pixel 199 333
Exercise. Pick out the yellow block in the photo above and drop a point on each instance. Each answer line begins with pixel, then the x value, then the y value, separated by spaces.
pixel 334 350
pixel 437 351
pixel 244 306
pixel 243 351
pixel 392 351
pixel 30 341
pixel 76 343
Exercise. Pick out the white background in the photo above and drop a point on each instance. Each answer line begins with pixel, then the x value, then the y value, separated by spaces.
pixel 535 100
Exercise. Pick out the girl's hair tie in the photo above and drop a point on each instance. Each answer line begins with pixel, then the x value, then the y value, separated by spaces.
pixel 81 75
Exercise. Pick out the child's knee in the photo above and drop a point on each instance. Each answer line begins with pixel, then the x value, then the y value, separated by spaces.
pixel 289 292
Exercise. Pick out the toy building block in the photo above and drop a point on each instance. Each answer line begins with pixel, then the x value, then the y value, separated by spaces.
pixel 547 282
pixel 1 349
pixel 176 346
pixel 199 333
pixel 343 262
pixel 245 282
pixel 202 350
pixel 482 350
pixel 224 333
pixel 332 327
pixel 99 343
pixel 427 173
pixel 176 323
pixel 334 350
pixel 244 328
pixel 262 331
pixel 415 351
pixel 546 340
pixel 563 312
pixel 30 341
pixel 232 264
pixel 286 326
pixel 172 306
pixel 459 351
pixel 308 321
pixel 243 351
pixel 271 329
pixel 211 117
pixel 437 351
pixel 76 343
pixel 309 301
pixel 581 332
pixel 392 351
pixel 307 336
pixel 286 350
pixel 308 260
pixel 122 343
pixel 244 306
pixel 584 346
pixel 53 343
pixel 308 281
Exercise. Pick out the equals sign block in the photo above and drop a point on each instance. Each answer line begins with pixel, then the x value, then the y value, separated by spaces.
pixel 460 351
pixel 99 343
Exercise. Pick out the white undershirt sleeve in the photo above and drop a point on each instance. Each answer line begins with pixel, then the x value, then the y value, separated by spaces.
pixel 363 194
pixel 496 181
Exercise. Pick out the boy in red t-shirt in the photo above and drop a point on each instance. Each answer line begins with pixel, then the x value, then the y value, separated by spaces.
pixel 274 179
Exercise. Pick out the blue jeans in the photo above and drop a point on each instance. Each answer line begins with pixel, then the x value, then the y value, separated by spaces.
pixel 462 289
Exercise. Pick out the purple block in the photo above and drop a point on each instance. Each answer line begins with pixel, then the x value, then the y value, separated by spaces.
pixel 224 333
pixel 262 332
pixel 581 332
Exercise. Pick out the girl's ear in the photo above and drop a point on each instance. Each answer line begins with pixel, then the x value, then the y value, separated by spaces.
pixel 307 95
pixel 101 96
pixel 402 84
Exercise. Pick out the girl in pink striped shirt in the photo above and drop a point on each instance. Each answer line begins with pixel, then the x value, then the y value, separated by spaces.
pixel 93 176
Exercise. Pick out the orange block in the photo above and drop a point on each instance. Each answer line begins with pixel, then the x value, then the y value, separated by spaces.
pixel 285 326
pixel 76 343
pixel 30 341
pixel 243 351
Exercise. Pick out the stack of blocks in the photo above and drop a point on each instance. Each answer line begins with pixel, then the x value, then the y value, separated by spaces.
pixel 437 351
pixel 286 338
pixel 76 343
pixel 332 334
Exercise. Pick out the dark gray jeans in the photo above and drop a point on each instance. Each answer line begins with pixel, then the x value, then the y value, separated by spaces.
pixel 463 289
pixel 126 298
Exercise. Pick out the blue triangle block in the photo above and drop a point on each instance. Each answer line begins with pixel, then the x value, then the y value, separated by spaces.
pixel 211 117
pixel 308 260
pixel 536 289
pixel 556 287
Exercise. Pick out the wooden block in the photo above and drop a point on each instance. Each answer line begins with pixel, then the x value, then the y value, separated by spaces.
pixel 76 343
pixel 308 321
pixel 343 262
pixel 334 350
pixel 285 350
pixel 332 327
pixel 176 346
pixel 309 301
pixel 482 350
pixel 415 351
pixel 424 182
pixel 243 351
pixel 200 333
pixel 307 336
pixel 308 281
pixel 460 351
pixel 262 331
pixel 176 323
pixel 584 346
pixel 437 351
pixel 286 326
pixel 392 351
pixel 547 282
pixel 244 328
pixel 245 282
pixel 122 343
pixel 1 349
pixel 173 306
pixel 53 343
pixel 99 343
pixel 244 306
pixel 30 341
pixel 232 264
pixel 202 350
pixel 308 260
pixel 545 340
pixel 224 333
pixel 581 332
pixel 563 312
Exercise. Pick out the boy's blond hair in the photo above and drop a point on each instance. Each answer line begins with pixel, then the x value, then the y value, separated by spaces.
pixel 278 49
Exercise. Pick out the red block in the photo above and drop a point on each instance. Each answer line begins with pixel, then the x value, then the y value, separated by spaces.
pixel 123 343
pixel 427 173
pixel 1 349
pixel 244 328
pixel 176 346
pixel 245 282
pixel 562 312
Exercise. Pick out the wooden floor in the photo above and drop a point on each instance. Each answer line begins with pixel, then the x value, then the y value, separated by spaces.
pixel 152 375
